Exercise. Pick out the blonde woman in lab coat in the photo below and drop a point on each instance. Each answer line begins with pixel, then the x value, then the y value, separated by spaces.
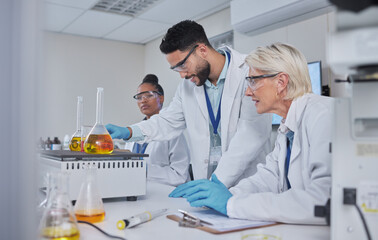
pixel 168 161
pixel 297 174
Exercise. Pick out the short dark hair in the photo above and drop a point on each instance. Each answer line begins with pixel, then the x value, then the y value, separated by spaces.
pixel 183 36
pixel 154 81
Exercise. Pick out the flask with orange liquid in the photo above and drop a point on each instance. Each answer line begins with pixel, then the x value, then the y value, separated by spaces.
pixel 98 140
pixel 89 206
pixel 76 142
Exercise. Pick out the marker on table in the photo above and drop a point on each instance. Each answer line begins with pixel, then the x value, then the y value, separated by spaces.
pixel 140 218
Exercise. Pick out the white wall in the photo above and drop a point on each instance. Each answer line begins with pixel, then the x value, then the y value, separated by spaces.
pixel 77 66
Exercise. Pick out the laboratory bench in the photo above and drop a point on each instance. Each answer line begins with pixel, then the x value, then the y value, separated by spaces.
pixel 164 228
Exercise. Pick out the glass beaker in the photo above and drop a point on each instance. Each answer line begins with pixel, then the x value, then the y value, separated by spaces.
pixel 98 140
pixel 76 140
pixel 89 206
pixel 58 220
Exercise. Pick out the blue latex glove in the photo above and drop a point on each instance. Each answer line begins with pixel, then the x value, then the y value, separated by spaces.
pixel 199 193
pixel 180 191
pixel 118 132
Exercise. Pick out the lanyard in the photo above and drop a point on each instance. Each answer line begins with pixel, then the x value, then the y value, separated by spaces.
pixel 215 120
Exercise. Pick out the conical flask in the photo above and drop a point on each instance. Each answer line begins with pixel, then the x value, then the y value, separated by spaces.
pixel 58 220
pixel 76 142
pixel 98 140
pixel 89 206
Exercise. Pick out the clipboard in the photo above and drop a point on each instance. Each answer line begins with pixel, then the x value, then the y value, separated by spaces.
pixel 215 227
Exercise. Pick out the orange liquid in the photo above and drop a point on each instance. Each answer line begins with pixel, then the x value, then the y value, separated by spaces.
pixel 75 144
pixel 58 233
pixel 93 215
pixel 98 144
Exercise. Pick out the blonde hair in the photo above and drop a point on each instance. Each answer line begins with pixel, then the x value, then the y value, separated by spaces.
pixel 280 57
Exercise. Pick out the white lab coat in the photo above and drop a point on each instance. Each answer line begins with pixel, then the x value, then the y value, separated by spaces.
pixel 245 135
pixel 264 197
pixel 168 161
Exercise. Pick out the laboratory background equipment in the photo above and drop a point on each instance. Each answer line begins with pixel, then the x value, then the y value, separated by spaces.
pixel 119 174
pixel 76 143
pixel 58 219
pixel 353 51
pixel 89 206
pixel 98 140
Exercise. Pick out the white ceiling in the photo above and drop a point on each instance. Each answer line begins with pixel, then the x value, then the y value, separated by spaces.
pixel 75 17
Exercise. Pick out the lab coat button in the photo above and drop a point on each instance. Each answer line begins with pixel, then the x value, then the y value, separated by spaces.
pixel 206 161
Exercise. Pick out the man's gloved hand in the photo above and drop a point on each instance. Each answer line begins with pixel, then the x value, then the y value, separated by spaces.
pixel 199 193
pixel 118 132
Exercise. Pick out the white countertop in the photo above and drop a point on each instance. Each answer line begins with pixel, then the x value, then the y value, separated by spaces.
pixel 163 228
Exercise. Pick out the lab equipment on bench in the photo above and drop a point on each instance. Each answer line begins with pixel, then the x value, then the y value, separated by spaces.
pixel 89 206
pixel 120 174
pixel 77 139
pixel 354 201
pixel 98 140
pixel 140 218
pixel 58 219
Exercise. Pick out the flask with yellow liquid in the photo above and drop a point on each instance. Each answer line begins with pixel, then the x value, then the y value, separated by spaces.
pixel 58 220
pixel 76 142
pixel 89 206
pixel 98 140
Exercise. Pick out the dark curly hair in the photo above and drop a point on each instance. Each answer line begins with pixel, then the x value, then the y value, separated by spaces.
pixel 183 36
pixel 154 81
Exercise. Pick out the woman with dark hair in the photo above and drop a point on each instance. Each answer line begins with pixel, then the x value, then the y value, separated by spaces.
pixel 168 162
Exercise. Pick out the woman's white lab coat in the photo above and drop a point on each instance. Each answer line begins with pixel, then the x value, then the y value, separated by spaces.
pixel 264 197
pixel 168 161
pixel 245 135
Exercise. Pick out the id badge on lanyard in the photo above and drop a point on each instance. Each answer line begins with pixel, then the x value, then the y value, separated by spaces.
pixel 215 154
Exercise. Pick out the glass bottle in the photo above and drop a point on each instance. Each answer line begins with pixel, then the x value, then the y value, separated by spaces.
pixel 58 220
pixel 89 206
pixel 76 140
pixel 48 144
pixel 98 140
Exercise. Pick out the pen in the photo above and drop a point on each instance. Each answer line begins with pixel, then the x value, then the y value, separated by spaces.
pixel 140 218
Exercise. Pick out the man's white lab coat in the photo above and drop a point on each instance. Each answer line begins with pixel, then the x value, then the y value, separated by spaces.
pixel 245 135
pixel 264 196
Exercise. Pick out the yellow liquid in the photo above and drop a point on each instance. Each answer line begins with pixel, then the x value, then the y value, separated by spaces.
pixel 98 144
pixel 75 144
pixel 59 233
pixel 93 215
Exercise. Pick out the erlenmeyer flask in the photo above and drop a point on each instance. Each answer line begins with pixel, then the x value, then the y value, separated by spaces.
pixel 89 206
pixel 99 140
pixel 76 143
pixel 58 221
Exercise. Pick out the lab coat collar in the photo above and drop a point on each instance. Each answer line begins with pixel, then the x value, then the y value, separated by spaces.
pixel 294 115
pixel 292 122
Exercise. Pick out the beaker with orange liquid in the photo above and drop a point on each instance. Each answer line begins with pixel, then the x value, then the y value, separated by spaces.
pixel 89 206
pixel 98 140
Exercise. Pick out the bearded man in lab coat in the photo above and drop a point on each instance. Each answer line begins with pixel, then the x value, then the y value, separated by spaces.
pixel 225 133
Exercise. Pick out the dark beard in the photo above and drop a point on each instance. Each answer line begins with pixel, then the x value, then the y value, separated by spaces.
pixel 203 74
